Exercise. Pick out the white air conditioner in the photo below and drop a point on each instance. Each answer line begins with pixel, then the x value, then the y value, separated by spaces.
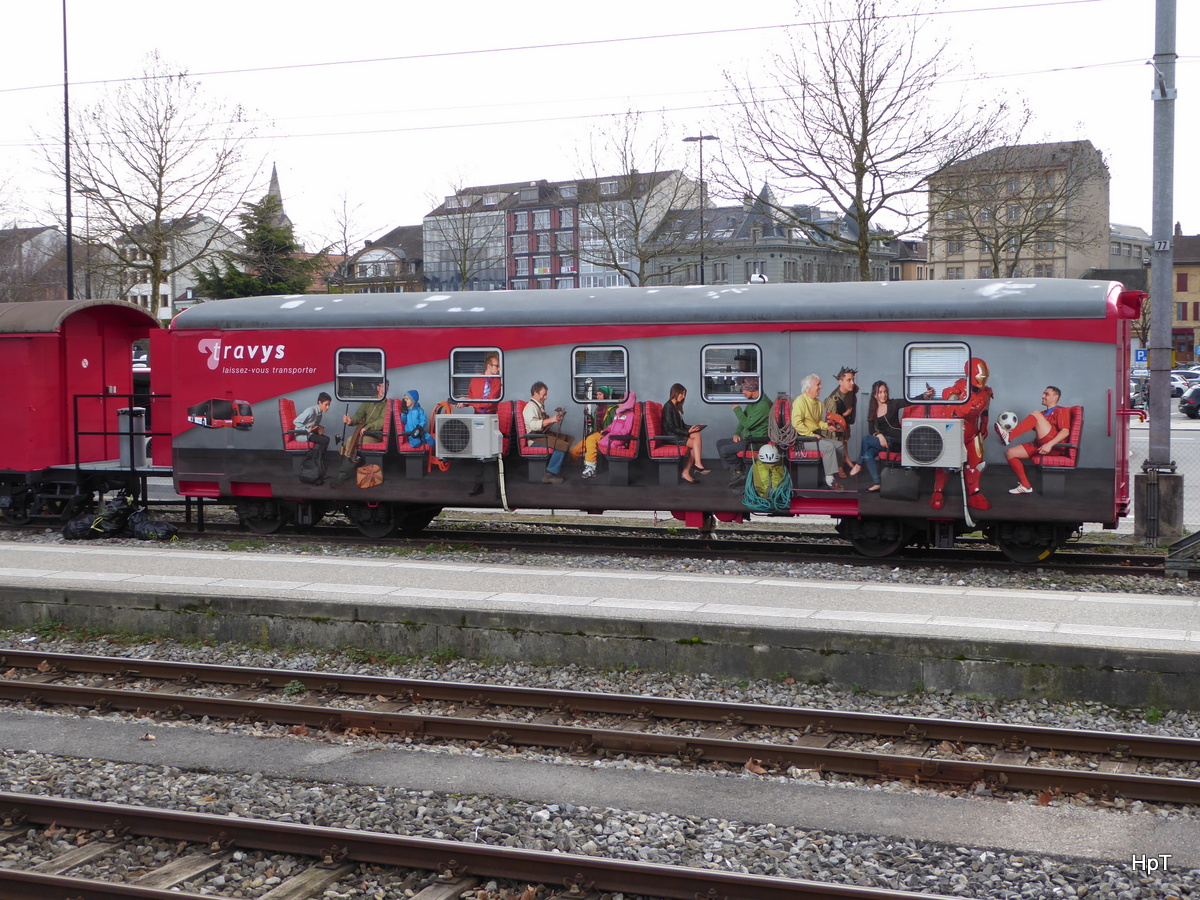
pixel 469 435
pixel 932 443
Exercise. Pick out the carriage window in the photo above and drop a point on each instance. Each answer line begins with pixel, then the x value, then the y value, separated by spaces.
pixel 725 365
pixel 596 369
pixel 935 366
pixel 359 371
pixel 476 374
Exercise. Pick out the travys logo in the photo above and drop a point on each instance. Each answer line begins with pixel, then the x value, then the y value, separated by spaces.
pixel 219 352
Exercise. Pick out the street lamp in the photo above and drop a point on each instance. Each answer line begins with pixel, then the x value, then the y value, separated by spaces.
pixel 701 138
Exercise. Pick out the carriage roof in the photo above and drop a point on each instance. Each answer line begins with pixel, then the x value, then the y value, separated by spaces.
pixel 783 303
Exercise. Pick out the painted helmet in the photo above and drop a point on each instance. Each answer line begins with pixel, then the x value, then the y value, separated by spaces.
pixel 768 454
pixel 836 421
pixel 977 372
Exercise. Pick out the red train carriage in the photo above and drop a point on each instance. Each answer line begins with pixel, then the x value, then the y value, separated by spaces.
pixel 475 357
pixel 66 366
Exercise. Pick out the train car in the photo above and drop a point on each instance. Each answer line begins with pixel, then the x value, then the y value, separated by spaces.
pixel 958 352
pixel 68 366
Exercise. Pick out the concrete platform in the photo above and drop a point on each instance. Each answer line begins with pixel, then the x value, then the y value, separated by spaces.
pixel 1122 649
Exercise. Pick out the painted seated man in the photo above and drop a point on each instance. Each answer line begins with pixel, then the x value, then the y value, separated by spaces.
pixel 367 421
pixel 1050 427
pixel 751 427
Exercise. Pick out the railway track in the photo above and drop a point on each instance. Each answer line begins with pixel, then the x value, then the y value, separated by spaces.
pixel 950 754
pixel 324 858
pixel 746 546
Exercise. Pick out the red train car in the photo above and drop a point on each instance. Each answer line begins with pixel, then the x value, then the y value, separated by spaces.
pixel 67 366
pixel 479 354
pixel 239 384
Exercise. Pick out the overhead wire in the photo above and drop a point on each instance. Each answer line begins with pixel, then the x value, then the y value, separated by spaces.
pixel 556 45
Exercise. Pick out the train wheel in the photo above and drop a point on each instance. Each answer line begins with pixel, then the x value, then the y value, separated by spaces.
pixel 377 521
pixel 262 516
pixel 15 516
pixel 875 538
pixel 418 519
pixel 1024 542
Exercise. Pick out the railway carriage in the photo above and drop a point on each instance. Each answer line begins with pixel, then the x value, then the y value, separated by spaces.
pixel 66 367
pixel 267 357
pixel 230 378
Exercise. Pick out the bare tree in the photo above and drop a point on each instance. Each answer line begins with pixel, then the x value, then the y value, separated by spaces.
pixel 346 238
pixel 626 190
pixel 464 239
pixel 163 170
pixel 8 202
pixel 1020 208
pixel 852 121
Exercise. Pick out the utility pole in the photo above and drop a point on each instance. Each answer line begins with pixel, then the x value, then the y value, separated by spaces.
pixel 1161 490
pixel 67 160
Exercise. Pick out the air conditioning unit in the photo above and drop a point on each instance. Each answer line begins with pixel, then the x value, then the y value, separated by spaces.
pixel 468 435
pixel 932 443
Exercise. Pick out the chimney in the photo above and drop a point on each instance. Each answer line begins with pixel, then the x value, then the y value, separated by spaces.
pixel 1178 230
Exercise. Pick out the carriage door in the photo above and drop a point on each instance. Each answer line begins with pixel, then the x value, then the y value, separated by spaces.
pixel 825 353
pixel 84 373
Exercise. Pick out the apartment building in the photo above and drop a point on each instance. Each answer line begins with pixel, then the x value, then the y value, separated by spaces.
pixel 1129 246
pixel 550 235
pixel 1031 210
pixel 1186 295
pixel 732 245
pixel 909 262
pixel 390 264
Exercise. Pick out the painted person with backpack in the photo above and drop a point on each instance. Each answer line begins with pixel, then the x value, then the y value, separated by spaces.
pixel 617 422
pixel 751 428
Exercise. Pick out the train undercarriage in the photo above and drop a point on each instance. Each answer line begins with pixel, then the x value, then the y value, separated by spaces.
pixel 1022 542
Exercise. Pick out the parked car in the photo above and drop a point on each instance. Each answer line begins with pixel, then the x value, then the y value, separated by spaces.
pixel 1191 376
pixel 1178 385
pixel 1189 403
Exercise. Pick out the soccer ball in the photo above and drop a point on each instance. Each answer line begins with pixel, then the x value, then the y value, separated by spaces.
pixel 1007 420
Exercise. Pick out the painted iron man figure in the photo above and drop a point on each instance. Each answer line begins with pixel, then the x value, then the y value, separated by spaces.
pixel 974 415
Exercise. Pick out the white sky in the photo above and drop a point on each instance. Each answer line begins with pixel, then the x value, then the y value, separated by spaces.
pixel 454 93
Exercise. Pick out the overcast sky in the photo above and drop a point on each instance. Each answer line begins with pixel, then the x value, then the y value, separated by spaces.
pixel 410 99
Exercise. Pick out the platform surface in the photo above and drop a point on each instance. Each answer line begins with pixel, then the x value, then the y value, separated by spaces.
pixel 1109 620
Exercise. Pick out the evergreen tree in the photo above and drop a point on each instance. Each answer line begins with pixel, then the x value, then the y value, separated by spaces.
pixel 268 261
